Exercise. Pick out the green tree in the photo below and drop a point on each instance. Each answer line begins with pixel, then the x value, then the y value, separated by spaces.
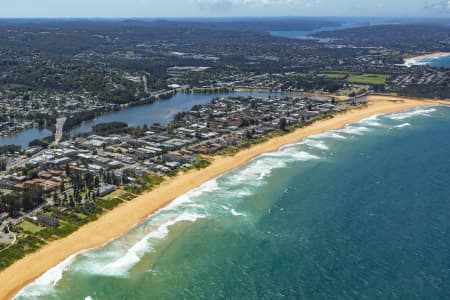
pixel 282 124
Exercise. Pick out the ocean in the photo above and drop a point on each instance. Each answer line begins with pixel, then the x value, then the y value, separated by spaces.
pixel 357 213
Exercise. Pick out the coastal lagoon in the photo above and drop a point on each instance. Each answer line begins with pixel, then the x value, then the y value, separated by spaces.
pixel 357 213
pixel 348 24
pixel 162 111
pixel 307 34
pixel 24 137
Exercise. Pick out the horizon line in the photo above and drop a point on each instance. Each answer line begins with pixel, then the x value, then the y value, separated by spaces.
pixel 222 17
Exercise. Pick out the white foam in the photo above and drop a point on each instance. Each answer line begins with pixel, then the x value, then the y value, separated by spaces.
pixel 316 144
pixel 373 124
pixel 186 199
pixel 332 134
pixel 47 281
pixel 290 153
pixel 116 263
pixel 232 211
pixel 235 213
pixel 230 191
pixel 355 130
pixel 195 205
pixel 371 118
pixel 88 298
pixel 416 62
pixel 402 125
pixel 422 61
pixel 412 113
pixel 259 169
pixel 265 173
pixel 371 121
pixel 303 156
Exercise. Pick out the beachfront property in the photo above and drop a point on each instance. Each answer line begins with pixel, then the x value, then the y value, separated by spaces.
pixel 67 185
pixel 117 159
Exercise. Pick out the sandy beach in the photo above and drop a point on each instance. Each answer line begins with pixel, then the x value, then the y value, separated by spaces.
pixel 120 220
pixel 410 60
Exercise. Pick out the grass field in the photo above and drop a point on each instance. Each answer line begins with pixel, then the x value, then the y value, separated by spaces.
pixel 81 216
pixel 30 227
pixel 377 79
pixel 303 75
pixel 335 75
pixel 384 52
pixel 108 203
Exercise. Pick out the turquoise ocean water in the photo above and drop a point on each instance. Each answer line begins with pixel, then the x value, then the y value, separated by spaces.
pixel 440 62
pixel 437 62
pixel 357 213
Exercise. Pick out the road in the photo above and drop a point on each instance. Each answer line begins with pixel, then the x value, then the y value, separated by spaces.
pixel 17 163
pixel 144 82
pixel 59 129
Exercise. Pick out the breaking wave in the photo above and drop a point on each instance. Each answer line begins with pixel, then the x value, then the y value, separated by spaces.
pixel 355 130
pixel 316 144
pixel 372 121
pixel 402 125
pixel 46 282
pixel 412 113
pixel 115 262
pixel 331 134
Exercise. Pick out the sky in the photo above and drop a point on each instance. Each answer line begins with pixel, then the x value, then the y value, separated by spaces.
pixel 220 8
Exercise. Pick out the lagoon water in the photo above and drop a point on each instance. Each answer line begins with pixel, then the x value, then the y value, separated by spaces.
pixel 347 24
pixel 23 138
pixel 162 112
pixel 306 34
pixel 357 213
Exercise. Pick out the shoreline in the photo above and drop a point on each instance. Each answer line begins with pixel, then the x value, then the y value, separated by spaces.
pixel 122 219
pixel 414 59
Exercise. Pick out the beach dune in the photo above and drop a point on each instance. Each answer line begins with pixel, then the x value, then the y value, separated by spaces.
pixel 120 220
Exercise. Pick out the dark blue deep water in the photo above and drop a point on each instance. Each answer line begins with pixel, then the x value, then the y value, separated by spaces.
pixel 358 213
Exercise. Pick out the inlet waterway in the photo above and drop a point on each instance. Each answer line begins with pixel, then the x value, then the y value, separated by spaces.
pixel 161 111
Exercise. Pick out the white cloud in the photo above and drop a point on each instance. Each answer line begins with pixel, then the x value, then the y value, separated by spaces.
pixel 251 2
pixel 237 3
pixel 440 6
